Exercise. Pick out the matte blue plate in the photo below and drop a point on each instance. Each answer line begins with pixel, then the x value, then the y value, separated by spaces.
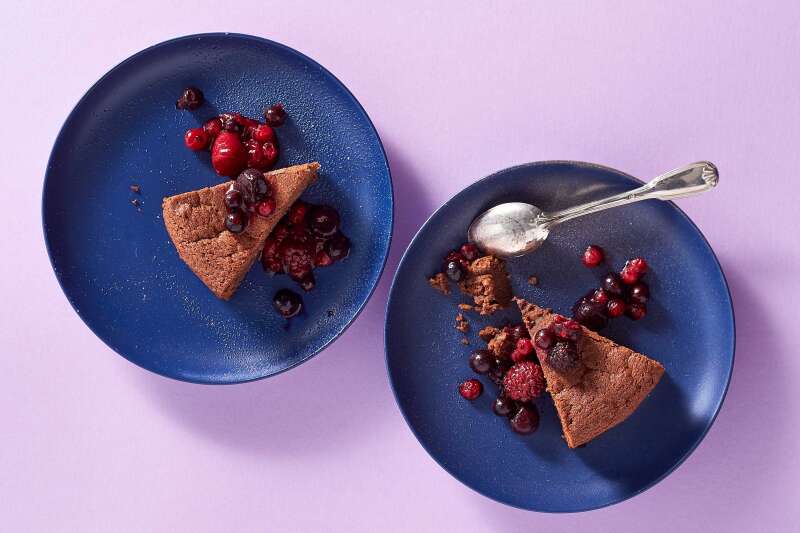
pixel 689 328
pixel 116 263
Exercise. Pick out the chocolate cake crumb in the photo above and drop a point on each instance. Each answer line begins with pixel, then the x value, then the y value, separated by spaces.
pixel 488 284
pixel 439 282
pixel 533 280
pixel 465 341
pixel 135 188
pixel 462 324
pixel 466 307
pixel 488 333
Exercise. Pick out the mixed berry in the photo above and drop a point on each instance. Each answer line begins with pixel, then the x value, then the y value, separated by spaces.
pixel 236 142
pixel 287 303
pixel 308 237
pixel 622 293
pixel 559 343
pixel 456 262
pixel 249 194
pixel 510 363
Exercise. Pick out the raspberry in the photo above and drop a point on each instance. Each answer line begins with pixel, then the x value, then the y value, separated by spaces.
pixel 524 381
pixel 562 356
pixel 522 351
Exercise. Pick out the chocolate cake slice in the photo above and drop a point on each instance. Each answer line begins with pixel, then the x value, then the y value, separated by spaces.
pixel 603 389
pixel 195 222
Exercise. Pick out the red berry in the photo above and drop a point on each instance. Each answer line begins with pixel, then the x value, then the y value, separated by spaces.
pixel 270 247
pixel 275 115
pixel 593 256
pixel 525 420
pixel 470 251
pixel 636 311
pixel 568 330
pixel 544 339
pixel 615 307
pixel 271 264
pixel 228 155
pixel 191 99
pixel 280 232
pixel 639 265
pixel 263 133
pixel 524 381
pixel 455 256
pixel 322 259
pixel 256 158
pixel 633 271
pixel 213 126
pixel 640 293
pixel 470 389
pixel 297 257
pixel 298 212
pixel 270 154
pixel 266 207
pixel 523 349
pixel 600 296
pixel 196 139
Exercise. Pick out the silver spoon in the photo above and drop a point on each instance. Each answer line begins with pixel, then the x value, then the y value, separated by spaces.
pixel 516 228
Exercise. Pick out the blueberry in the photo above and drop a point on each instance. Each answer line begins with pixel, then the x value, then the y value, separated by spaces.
pixel 454 271
pixel 287 303
pixel 481 361
pixel 503 406
pixel 236 221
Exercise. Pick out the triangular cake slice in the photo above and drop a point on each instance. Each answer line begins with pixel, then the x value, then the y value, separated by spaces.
pixel 604 388
pixel 195 222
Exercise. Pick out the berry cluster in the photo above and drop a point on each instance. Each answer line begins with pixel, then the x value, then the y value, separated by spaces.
pixel 619 294
pixel 309 236
pixel 517 374
pixel 456 262
pixel 236 142
pixel 249 193
pixel 559 341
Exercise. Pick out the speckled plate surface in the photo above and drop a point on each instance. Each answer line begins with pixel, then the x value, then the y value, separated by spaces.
pixel 116 263
pixel 689 328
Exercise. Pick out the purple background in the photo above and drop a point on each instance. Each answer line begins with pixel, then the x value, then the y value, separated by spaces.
pixel 92 443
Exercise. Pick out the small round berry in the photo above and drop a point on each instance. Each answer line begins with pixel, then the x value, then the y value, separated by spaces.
pixel 253 185
pixel 322 259
pixel 470 251
pixel 563 356
pixel 544 339
pixel 639 265
pixel 612 284
pixel 525 420
pixel 213 126
pixel 275 115
pixel 499 370
pixel 307 281
pixel 229 123
pixel 629 276
pixel 525 346
pixel 454 271
pixel 481 361
pixel 262 133
pixel 228 154
pixel 567 330
pixel 615 307
pixel 233 199
pixel 324 220
pixel 287 303
pixel 196 139
pixel 236 221
pixel 338 247
pixel 519 331
pixel 266 207
pixel 593 256
pixel 470 389
pixel 503 406
pixel 270 150
pixel 191 99
pixel 636 311
pixel 590 314
pixel 639 293
pixel 600 296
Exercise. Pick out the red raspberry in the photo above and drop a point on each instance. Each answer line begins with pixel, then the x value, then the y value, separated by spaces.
pixel 524 381
pixel 522 351
pixel 470 389
pixel 593 256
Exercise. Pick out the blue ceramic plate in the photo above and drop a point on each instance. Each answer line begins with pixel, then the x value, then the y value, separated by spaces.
pixel 116 263
pixel 689 328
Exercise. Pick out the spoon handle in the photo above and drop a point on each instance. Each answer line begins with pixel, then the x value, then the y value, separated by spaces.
pixel 679 183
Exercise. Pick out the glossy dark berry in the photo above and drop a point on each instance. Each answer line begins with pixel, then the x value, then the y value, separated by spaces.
pixel 544 339
pixel 498 371
pixel 593 256
pixel 253 186
pixel 307 281
pixel 639 293
pixel 213 126
pixel 525 420
pixel 470 389
pixel 191 99
pixel 519 331
pixel 287 303
pixel 275 115
pixel 612 284
pixel 636 311
pixel 196 139
pixel 324 220
pixel 600 296
pixel 503 406
pixel 338 247
pixel 615 307
pixel 236 221
pixel 567 330
pixel 233 199
pixel 470 251
pixel 639 265
pixel 481 361
pixel 590 314
pixel 454 271
pixel 563 356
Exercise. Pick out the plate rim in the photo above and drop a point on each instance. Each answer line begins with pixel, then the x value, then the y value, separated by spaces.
pixel 261 41
pixel 729 307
